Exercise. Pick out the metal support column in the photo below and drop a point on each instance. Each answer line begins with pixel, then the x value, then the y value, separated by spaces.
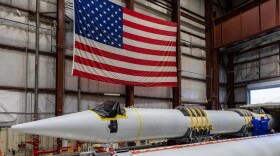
pixel 60 62
pixel 129 99
pixel 176 17
pixel 37 48
pixel 216 83
pixel 230 80
pixel 209 53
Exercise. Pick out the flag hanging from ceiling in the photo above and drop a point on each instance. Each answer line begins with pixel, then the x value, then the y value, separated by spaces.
pixel 116 45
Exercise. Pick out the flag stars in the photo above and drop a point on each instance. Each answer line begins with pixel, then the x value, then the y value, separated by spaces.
pixel 101 21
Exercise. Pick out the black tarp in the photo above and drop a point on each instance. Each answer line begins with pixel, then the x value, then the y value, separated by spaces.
pixel 109 109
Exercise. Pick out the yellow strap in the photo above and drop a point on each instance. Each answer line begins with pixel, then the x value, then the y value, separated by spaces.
pixel 197 121
pixel 192 122
pixel 140 122
pixel 245 120
pixel 246 117
pixel 201 116
pixel 207 120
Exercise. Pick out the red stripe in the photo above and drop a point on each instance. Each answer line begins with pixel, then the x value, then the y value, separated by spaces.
pixel 148 40
pixel 122 58
pixel 121 70
pixel 148 29
pixel 130 83
pixel 148 51
pixel 148 18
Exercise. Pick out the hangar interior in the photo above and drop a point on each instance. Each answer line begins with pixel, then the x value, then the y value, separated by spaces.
pixel 225 50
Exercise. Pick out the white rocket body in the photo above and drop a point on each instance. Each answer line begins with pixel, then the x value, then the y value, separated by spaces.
pixel 255 146
pixel 139 124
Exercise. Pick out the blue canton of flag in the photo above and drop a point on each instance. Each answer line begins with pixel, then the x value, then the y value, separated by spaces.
pixel 100 21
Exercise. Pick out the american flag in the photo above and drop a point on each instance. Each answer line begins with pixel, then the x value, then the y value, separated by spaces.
pixel 116 45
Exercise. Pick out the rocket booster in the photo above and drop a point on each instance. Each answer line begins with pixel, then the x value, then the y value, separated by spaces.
pixel 137 124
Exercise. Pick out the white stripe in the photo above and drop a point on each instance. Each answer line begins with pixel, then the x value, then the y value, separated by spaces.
pixel 122 64
pixel 148 23
pixel 148 34
pixel 148 45
pixel 123 52
pixel 119 76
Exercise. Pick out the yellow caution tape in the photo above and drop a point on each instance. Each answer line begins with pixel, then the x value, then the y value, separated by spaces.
pixel 108 119
pixel 140 122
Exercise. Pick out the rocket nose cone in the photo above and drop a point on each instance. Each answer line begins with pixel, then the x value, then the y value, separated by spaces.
pixel 84 126
pixel 25 127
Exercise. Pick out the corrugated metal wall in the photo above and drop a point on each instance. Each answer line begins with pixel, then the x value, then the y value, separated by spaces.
pixel 17 66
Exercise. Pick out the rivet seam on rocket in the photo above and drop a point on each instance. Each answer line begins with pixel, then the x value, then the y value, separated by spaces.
pixel 108 119
pixel 140 122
